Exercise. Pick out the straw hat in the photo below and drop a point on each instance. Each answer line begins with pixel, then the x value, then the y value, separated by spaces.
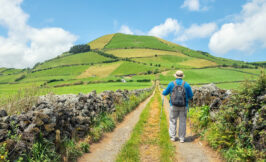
pixel 179 74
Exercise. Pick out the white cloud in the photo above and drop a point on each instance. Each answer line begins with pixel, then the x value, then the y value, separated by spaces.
pixel 125 29
pixel 192 5
pixel 169 26
pixel 24 46
pixel 245 33
pixel 197 31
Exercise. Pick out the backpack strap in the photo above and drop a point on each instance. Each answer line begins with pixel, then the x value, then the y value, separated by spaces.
pixel 183 83
pixel 175 83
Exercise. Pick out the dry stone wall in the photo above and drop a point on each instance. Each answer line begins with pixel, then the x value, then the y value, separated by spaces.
pixel 71 114
pixel 209 95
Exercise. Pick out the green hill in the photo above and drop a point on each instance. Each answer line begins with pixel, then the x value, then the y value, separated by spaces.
pixel 113 57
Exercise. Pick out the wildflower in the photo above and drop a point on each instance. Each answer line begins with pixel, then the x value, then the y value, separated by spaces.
pixel 2 157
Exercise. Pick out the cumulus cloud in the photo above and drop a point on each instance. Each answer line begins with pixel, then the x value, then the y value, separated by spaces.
pixel 169 26
pixel 197 31
pixel 192 5
pixel 125 29
pixel 243 34
pixel 24 45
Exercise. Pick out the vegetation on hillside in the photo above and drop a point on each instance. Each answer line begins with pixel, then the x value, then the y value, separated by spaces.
pixel 79 48
pixel 77 59
pixel 238 129
pixel 209 75
pixel 136 55
pixel 99 43
pixel 142 53
pixel 133 41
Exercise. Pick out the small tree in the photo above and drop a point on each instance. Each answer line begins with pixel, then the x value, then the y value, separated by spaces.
pixel 79 48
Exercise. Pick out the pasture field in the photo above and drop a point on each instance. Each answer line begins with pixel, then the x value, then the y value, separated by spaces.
pixel 170 61
pixel 69 72
pixel 132 68
pixel 9 78
pixel 201 54
pixel 100 70
pixel 129 53
pixel 100 87
pixel 233 86
pixel 1 69
pixel 10 71
pixel 142 77
pixel 198 63
pixel 208 75
pixel 164 60
pixel 101 42
pixel 10 89
pixel 254 71
pixel 81 58
pixel 132 41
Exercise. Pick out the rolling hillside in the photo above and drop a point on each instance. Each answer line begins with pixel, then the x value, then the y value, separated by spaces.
pixel 136 59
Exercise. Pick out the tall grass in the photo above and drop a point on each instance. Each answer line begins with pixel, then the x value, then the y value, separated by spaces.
pixel 23 100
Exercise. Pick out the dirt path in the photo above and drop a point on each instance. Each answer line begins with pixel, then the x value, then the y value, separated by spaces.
pixel 107 149
pixel 193 150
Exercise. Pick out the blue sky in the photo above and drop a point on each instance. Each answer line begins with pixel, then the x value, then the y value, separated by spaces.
pixel 35 30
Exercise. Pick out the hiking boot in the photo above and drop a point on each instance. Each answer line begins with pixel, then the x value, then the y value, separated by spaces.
pixel 182 140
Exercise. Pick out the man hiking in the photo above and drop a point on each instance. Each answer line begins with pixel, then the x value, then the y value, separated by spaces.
pixel 180 92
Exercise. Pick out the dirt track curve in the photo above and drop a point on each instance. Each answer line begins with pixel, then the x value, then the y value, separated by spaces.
pixel 111 143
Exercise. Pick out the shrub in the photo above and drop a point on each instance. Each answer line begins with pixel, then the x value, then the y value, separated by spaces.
pixel 43 150
pixel 72 152
pixel 85 147
pixel 78 83
pixel 54 80
pixel 143 80
pixel 20 78
pixel 79 48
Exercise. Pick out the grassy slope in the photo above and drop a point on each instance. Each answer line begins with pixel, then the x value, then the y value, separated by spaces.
pixel 9 78
pixel 100 87
pixel 69 72
pixel 81 58
pixel 194 76
pixel 2 68
pixel 100 70
pixel 131 68
pixel 10 71
pixel 128 53
pixel 200 54
pixel 132 41
pixel 126 41
pixel 176 61
pixel 101 42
